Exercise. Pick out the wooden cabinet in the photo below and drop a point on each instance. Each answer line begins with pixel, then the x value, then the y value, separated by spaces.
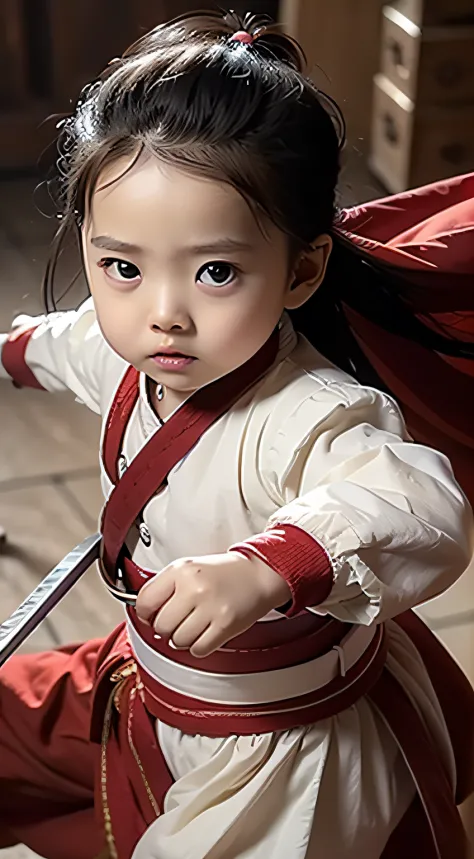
pixel 437 12
pixel 413 145
pixel 423 108
pixel 49 49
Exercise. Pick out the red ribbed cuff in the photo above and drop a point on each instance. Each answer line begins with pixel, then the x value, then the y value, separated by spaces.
pixel 298 558
pixel 13 359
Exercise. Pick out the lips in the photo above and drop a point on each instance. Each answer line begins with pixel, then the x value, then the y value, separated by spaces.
pixel 171 359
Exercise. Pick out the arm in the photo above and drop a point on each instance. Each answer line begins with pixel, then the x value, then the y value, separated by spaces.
pixel 369 524
pixel 61 351
pixel 366 524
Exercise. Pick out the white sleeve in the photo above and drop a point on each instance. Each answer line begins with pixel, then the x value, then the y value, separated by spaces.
pixel 388 512
pixel 66 351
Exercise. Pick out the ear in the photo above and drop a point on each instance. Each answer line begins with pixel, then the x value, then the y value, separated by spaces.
pixel 308 274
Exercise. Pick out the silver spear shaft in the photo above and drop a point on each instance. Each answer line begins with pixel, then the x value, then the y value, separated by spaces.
pixel 27 617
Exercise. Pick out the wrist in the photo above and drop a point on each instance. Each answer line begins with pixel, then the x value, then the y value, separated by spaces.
pixel 271 585
pixel 299 559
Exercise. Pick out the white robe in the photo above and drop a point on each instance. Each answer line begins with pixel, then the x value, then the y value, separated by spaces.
pixel 310 447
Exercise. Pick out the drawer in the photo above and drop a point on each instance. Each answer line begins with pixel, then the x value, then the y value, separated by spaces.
pixel 437 11
pixel 401 48
pixel 412 146
pixel 430 65
pixel 392 134
pixel 442 144
pixel 446 65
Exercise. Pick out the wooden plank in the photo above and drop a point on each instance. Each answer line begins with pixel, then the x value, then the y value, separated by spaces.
pixel 13 55
pixel 45 434
pixel 42 526
pixel 25 135
pixel 101 31
pixel 342 42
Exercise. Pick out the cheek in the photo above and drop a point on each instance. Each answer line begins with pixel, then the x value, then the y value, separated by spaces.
pixel 110 316
pixel 260 310
pixel 238 335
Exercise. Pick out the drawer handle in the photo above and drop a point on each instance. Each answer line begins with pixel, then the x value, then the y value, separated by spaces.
pixel 396 51
pixel 390 129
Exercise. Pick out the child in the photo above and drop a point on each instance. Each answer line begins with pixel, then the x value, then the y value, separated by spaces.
pixel 270 695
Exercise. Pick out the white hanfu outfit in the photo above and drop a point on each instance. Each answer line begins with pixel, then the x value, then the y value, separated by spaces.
pixel 306 446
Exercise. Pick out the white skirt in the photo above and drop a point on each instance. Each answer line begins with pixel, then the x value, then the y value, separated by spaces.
pixel 334 790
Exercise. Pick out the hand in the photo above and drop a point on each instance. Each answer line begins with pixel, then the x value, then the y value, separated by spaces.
pixel 199 604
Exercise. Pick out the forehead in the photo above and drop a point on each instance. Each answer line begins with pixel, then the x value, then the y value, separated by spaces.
pixel 151 198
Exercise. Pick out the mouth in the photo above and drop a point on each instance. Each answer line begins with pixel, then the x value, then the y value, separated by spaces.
pixel 172 360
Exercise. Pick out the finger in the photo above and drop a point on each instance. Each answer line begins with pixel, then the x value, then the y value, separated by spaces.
pixel 172 615
pixel 190 630
pixel 211 639
pixel 155 594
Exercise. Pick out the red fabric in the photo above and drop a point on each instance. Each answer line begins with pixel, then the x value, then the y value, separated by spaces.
pixel 412 839
pixel 46 759
pixel 298 558
pixel 430 376
pixel 425 765
pixel 47 762
pixel 413 836
pixel 130 802
pixel 193 716
pixel 150 468
pixel 426 229
pixel 117 419
pixel 427 237
pixel 263 647
pixel 14 361
pixel 125 805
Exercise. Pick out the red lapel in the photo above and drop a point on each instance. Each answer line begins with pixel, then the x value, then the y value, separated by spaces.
pixel 117 420
pixel 166 447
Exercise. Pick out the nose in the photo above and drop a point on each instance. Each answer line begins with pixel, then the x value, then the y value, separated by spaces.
pixel 168 311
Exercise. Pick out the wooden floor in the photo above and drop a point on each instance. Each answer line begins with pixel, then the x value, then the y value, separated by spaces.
pixel 49 491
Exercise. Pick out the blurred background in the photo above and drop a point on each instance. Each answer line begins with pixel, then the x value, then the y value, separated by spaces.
pixel 404 76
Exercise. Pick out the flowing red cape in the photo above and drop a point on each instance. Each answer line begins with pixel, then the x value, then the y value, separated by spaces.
pixel 426 238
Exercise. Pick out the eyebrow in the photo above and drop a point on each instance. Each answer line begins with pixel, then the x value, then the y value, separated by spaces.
pixel 221 246
pixel 110 244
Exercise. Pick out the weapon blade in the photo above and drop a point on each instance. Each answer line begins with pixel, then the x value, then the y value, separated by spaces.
pixel 27 617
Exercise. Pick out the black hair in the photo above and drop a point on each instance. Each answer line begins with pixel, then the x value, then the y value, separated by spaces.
pixel 192 95
pixel 242 112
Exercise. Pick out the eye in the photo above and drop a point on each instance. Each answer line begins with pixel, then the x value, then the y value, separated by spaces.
pixel 120 269
pixel 216 274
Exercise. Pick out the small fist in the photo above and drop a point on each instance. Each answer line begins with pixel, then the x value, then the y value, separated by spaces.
pixel 199 604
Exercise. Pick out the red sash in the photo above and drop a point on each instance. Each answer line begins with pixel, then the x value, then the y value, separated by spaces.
pixel 268 645
pixel 133 774
pixel 165 449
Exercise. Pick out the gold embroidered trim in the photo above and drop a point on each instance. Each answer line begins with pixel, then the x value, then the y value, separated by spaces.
pixel 151 797
pixel 120 678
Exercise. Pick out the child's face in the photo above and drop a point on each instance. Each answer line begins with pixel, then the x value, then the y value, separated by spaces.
pixel 185 284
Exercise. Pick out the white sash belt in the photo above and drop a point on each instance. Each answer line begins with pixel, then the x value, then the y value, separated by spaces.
pixel 262 687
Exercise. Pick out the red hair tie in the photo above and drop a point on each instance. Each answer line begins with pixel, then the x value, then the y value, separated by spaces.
pixel 243 37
